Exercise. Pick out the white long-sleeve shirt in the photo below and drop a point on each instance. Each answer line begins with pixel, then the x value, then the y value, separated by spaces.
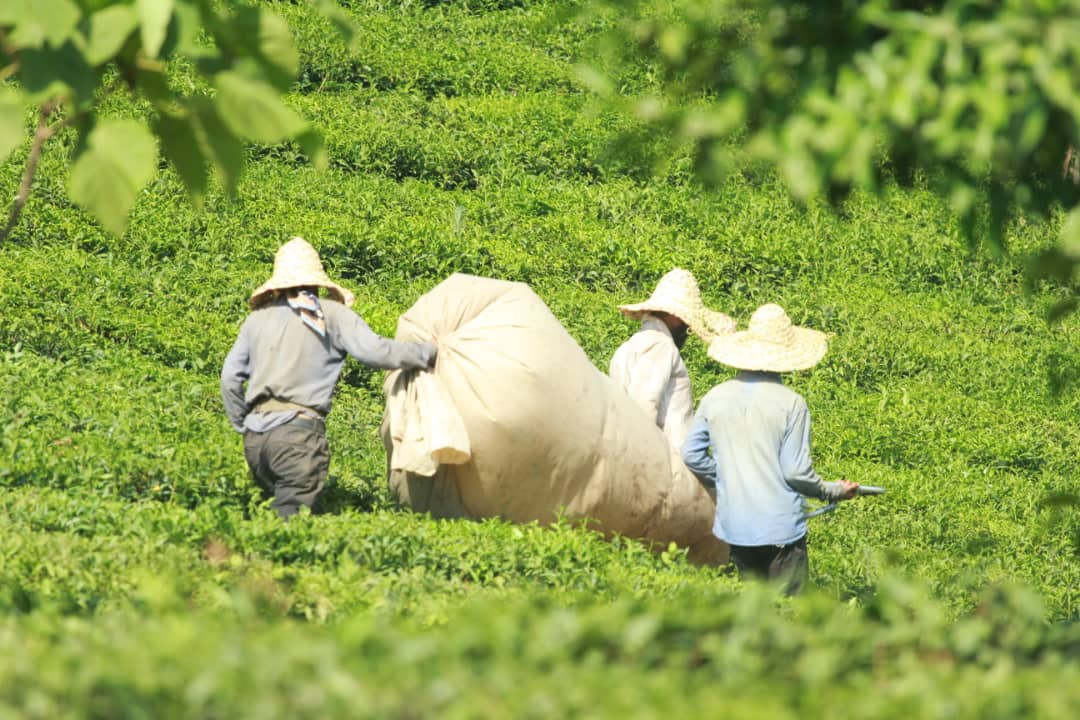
pixel 649 368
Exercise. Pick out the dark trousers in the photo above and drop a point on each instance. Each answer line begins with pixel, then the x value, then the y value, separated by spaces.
pixel 787 564
pixel 290 463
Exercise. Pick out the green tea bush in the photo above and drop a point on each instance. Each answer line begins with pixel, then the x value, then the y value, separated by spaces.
pixel 446 50
pixel 463 142
pixel 954 418
pixel 76 550
pixel 122 427
pixel 538 656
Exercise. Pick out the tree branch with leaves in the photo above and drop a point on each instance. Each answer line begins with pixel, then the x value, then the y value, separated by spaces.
pixel 61 57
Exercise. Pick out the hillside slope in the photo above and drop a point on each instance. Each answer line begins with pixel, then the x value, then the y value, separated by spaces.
pixel 460 142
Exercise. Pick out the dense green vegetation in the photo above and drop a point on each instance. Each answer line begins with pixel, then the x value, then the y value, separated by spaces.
pixel 139 576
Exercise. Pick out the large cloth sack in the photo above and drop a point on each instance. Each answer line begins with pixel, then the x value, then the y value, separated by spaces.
pixel 516 422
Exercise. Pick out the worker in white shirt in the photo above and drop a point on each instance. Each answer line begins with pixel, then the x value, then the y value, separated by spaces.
pixel 649 366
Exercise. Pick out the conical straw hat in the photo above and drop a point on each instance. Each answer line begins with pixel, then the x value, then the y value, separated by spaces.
pixel 770 344
pixel 716 325
pixel 677 293
pixel 297 264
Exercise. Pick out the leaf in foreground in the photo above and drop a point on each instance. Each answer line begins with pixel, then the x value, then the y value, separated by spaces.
pixel 253 110
pixel 120 158
pixel 12 129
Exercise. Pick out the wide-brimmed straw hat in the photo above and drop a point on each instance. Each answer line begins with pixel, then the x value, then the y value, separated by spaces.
pixel 770 344
pixel 297 264
pixel 677 293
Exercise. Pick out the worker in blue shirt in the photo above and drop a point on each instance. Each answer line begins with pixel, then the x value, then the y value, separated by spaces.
pixel 751 439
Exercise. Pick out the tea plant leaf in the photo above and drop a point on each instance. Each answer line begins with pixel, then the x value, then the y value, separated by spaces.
pixel 154 17
pixel 266 37
pixel 218 142
pixel 1060 499
pixel 119 159
pixel 15 12
pixel 41 21
pixel 254 110
pixel 134 538
pixel 55 50
pixel 959 93
pixel 12 125
pixel 188 26
pixel 109 30
pixel 181 146
pixel 1061 309
pixel 154 83
pixel 341 21
pixel 47 73
pixel 312 145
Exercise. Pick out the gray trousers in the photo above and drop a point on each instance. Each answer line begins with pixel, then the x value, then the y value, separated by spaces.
pixel 786 564
pixel 290 463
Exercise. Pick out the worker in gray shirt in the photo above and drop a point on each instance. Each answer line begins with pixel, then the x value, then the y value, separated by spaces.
pixel 758 433
pixel 290 352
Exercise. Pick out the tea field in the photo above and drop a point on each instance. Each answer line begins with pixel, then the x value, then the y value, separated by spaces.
pixel 140 576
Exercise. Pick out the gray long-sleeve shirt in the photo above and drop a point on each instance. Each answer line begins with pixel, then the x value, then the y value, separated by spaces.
pixel 759 434
pixel 279 357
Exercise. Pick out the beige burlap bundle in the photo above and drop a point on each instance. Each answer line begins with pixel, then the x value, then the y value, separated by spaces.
pixel 516 422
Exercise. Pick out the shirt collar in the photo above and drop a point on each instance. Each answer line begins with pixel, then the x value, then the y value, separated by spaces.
pixel 651 322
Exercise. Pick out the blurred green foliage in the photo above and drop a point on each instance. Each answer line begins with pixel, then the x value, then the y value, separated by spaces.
pixel 981 99
pixel 547 655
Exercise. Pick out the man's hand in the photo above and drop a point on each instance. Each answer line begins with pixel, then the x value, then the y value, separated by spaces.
pixel 432 352
pixel 850 488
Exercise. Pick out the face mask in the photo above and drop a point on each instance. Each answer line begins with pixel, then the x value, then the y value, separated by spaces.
pixel 679 335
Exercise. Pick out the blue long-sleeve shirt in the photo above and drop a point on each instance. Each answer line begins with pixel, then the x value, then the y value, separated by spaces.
pixel 758 432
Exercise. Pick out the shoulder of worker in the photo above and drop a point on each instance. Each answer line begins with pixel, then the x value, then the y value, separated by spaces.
pixel 649 339
pixel 795 402
pixel 716 393
pixel 337 312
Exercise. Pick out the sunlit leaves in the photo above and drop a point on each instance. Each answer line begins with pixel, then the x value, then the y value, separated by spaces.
pixel 40 21
pixel 57 17
pixel 154 17
pixel 153 83
pixel 185 30
pixel 312 145
pixel 341 21
pixel 119 159
pixel 838 91
pixel 254 110
pixel 266 38
pixel 1070 233
pixel 983 98
pixel 63 54
pixel 225 151
pixel 181 146
pixel 12 129
pixel 50 73
pixel 109 30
